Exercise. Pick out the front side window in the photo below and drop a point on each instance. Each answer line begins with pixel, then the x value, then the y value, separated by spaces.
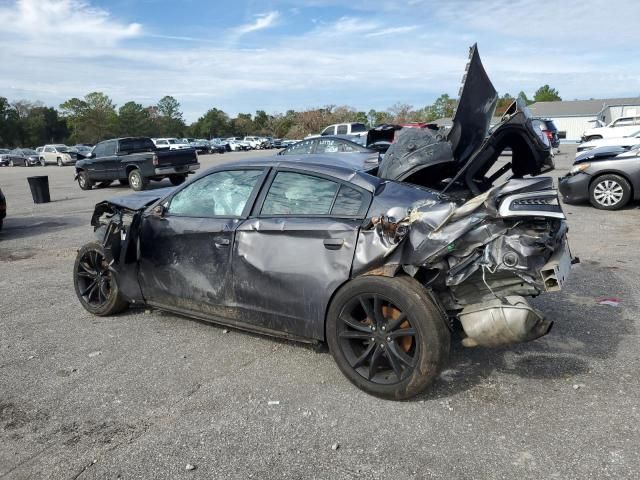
pixel 342 129
pixel 222 194
pixel 299 194
pixel 299 148
pixel 623 122
pixel 109 148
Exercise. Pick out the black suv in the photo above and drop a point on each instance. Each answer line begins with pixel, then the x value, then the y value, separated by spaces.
pixel 550 130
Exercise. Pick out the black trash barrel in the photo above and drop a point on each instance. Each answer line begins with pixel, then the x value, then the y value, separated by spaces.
pixel 39 188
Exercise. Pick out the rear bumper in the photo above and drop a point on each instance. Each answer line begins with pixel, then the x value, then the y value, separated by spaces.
pixel 575 189
pixel 176 170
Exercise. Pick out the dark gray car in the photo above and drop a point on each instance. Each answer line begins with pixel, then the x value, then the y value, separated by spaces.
pixel 379 267
pixel 605 177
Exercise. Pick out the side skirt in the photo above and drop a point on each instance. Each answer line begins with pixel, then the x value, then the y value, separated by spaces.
pixel 231 323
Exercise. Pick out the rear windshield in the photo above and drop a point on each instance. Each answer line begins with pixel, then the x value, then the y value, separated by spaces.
pixel 137 145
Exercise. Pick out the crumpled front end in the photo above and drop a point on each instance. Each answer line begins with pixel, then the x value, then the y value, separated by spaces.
pixel 477 256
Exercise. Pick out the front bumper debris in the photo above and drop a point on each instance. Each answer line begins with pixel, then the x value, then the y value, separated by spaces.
pixel 575 188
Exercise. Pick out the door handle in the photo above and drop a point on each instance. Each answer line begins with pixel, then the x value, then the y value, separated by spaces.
pixel 333 243
pixel 221 242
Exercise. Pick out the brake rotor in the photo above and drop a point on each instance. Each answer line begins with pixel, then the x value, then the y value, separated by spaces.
pixel 393 313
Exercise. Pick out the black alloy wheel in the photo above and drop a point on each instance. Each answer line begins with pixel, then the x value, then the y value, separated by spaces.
pixel 94 282
pixel 387 336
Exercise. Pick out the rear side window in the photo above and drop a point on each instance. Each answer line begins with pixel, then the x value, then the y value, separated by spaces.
pixel 328 145
pixel 299 194
pixel 348 202
pixel 137 145
pixel 299 148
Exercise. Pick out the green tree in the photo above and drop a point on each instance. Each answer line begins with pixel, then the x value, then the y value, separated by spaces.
pixel 214 123
pixel 261 123
pixel 504 102
pixel 134 120
pixel 91 119
pixel 242 125
pixel 443 106
pixel 546 94
pixel 170 118
pixel 525 98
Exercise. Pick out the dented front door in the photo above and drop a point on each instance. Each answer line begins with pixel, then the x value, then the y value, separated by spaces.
pixel 185 251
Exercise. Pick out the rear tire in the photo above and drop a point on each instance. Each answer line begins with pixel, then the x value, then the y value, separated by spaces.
pixel 84 182
pixel 609 192
pixel 136 181
pixel 95 284
pixel 387 336
pixel 177 179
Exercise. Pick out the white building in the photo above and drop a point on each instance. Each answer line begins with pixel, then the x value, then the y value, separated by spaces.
pixel 574 117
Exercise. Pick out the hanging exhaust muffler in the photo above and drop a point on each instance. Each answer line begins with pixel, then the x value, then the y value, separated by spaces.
pixel 502 322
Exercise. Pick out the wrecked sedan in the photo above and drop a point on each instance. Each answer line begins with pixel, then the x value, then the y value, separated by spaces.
pixel 384 268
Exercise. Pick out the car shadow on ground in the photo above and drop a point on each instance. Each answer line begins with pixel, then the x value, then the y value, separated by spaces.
pixel 28 226
pixel 583 330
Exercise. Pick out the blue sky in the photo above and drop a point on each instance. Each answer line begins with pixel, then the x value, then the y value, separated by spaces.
pixel 283 54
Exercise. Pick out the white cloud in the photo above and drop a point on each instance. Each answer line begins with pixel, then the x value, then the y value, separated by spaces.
pixel 262 21
pixel 392 31
pixel 347 60
pixel 63 20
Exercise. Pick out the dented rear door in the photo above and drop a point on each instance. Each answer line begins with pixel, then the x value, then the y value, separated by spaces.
pixel 297 250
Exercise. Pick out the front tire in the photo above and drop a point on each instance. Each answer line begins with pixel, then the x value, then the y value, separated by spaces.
pixel 136 181
pixel 609 192
pixel 60 162
pixel 177 179
pixel 84 182
pixel 95 283
pixel 387 336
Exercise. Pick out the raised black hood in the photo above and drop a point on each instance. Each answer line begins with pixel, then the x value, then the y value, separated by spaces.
pixel 477 104
pixel 462 156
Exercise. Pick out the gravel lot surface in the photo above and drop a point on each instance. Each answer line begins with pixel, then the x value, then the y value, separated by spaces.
pixel 144 394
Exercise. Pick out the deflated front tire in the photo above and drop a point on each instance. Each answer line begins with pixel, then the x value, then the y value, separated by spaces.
pixel 95 284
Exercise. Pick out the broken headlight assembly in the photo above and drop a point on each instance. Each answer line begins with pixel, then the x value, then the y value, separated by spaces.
pixel 581 167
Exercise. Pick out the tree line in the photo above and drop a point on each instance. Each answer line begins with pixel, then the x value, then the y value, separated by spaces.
pixel 96 117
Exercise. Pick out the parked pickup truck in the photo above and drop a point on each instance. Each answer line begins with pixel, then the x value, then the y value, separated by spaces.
pixel 134 161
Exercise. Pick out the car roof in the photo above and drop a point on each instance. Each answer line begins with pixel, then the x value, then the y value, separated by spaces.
pixel 314 163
